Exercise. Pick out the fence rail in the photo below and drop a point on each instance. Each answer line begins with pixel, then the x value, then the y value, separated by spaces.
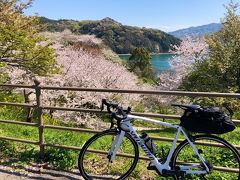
pixel 39 108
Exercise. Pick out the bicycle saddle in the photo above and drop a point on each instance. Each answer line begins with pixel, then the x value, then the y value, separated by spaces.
pixel 188 106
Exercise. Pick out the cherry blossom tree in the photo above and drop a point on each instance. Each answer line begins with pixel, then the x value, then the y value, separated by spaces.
pixel 189 52
pixel 82 68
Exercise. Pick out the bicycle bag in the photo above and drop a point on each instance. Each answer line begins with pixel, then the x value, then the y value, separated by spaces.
pixel 207 119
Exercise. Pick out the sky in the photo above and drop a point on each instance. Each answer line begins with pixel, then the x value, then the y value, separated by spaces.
pixel 167 15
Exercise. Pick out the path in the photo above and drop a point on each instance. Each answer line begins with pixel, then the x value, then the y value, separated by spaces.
pixel 33 172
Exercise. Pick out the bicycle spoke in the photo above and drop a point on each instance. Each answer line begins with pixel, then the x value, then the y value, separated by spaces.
pixel 221 158
pixel 94 164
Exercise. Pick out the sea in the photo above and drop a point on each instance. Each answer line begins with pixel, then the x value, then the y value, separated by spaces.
pixel 160 62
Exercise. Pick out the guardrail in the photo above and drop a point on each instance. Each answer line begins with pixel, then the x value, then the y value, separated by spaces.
pixel 39 108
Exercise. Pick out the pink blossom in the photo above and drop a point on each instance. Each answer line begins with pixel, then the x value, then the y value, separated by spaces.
pixel 81 68
pixel 189 52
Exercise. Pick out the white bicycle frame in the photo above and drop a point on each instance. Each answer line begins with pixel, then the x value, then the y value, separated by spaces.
pixel 126 126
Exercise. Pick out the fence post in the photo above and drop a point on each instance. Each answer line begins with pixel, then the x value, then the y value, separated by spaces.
pixel 39 116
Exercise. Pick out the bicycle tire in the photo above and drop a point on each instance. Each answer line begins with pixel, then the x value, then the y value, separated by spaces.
pixel 221 156
pixel 94 165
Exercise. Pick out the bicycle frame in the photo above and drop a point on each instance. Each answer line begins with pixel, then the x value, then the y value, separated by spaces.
pixel 126 126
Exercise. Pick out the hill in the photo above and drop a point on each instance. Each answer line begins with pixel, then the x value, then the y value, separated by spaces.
pixel 197 31
pixel 120 38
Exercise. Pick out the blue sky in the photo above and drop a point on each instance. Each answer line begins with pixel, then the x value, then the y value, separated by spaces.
pixel 167 15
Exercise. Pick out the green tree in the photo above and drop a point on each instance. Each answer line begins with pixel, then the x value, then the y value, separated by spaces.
pixel 221 70
pixel 139 62
pixel 20 43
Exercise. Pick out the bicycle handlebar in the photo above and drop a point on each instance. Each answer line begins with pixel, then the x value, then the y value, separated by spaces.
pixel 117 111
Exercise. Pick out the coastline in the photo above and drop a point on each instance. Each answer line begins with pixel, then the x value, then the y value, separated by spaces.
pixel 150 54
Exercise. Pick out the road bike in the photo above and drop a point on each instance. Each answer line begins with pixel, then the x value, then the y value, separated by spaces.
pixel 114 153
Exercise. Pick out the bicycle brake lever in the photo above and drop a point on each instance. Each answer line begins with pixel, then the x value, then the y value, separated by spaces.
pixel 104 102
pixel 102 107
pixel 128 110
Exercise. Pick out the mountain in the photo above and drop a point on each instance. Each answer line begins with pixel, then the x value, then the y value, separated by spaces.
pixel 120 38
pixel 197 31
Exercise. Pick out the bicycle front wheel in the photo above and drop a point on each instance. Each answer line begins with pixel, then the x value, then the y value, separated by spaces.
pixel 221 157
pixel 94 164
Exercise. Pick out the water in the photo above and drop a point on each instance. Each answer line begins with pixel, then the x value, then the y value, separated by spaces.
pixel 160 62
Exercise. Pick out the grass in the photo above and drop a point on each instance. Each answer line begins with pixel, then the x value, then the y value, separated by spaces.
pixel 67 159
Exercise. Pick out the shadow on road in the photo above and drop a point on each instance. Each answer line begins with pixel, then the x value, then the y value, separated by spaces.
pixel 35 171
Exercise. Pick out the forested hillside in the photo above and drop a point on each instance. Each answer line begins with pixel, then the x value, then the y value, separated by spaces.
pixel 120 38
pixel 197 31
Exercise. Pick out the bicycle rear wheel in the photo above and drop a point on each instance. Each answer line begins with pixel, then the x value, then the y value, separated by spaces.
pixel 221 157
pixel 94 164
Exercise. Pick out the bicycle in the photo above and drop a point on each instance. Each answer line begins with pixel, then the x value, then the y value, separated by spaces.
pixel 114 153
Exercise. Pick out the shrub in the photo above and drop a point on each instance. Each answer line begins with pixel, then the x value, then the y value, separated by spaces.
pixel 7 148
pixel 63 159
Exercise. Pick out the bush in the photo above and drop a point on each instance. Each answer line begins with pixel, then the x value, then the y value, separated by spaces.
pixel 63 159
pixel 139 108
pixel 28 154
pixel 7 148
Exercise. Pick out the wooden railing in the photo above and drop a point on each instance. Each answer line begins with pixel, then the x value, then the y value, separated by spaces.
pixel 39 108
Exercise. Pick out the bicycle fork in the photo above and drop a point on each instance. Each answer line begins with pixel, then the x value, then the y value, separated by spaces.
pixel 115 146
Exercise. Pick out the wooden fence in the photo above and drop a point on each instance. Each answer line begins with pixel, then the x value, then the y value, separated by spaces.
pixel 39 108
